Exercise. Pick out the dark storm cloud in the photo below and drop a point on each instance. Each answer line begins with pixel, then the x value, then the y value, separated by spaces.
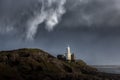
pixel 91 27
pixel 25 16
pixel 92 13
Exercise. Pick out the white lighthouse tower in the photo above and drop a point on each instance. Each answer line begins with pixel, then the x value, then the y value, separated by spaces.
pixel 68 54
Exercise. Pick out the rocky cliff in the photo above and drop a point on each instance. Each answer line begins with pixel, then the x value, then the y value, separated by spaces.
pixel 36 64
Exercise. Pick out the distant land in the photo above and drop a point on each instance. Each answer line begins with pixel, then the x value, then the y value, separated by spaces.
pixel 36 64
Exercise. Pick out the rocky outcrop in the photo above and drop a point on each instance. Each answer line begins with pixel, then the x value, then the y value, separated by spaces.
pixel 36 64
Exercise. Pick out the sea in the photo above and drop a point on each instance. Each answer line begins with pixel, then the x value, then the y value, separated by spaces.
pixel 108 68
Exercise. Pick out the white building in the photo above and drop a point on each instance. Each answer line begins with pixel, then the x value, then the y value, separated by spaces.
pixel 68 54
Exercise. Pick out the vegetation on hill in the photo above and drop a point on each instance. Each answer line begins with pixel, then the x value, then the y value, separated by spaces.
pixel 36 64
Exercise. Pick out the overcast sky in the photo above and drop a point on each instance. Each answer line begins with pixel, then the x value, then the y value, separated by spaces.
pixel 90 27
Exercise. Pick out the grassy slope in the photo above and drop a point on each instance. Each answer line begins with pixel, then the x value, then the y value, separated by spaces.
pixel 35 64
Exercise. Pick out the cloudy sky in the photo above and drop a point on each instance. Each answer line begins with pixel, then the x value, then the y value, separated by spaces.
pixel 90 27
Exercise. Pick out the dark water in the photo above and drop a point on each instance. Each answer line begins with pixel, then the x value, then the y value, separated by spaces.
pixel 109 69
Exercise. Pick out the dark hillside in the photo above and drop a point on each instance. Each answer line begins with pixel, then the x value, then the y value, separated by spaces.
pixel 36 64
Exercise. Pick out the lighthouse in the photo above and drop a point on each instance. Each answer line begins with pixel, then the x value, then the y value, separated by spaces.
pixel 68 54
